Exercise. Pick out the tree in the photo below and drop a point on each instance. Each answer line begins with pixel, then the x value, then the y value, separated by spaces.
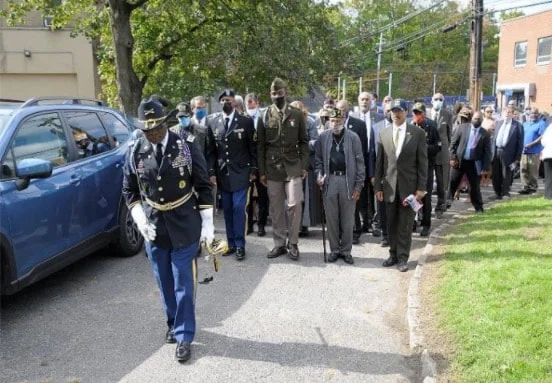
pixel 182 48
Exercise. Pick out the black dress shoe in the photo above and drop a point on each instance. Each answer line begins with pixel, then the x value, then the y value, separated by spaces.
pixel 293 252
pixel 367 228
pixel 183 351
pixel 333 257
pixel 424 232
pixel 230 251
pixel 304 232
pixel 414 227
pixel 240 253
pixel 261 232
pixel 384 242
pixel 376 232
pixel 390 262
pixel 402 267
pixel 169 337
pixel 356 239
pixel 525 191
pixel 348 258
pixel 277 251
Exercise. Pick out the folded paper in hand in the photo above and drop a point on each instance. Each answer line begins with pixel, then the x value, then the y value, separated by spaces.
pixel 412 202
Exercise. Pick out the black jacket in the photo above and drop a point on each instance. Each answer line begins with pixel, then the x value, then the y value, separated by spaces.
pixel 359 127
pixel 172 180
pixel 231 156
pixel 433 139
pixel 482 147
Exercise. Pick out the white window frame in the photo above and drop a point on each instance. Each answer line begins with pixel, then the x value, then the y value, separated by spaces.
pixel 547 58
pixel 517 63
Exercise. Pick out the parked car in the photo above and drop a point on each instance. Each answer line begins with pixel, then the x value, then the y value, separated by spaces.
pixel 60 187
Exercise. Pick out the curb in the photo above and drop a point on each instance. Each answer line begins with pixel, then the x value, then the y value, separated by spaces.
pixel 417 342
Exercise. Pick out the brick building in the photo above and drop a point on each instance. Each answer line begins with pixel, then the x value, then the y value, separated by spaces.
pixel 525 61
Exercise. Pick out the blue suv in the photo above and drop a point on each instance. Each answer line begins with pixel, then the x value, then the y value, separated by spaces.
pixel 60 187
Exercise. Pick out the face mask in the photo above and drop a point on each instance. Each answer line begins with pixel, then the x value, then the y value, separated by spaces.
pixel 279 101
pixel 372 104
pixel 227 107
pixel 184 121
pixel 200 113
pixel 388 117
pixel 437 105
pixel 252 112
pixel 476 124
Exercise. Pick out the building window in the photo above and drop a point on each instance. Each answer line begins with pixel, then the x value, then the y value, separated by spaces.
pixel 520 54
pixel 544 50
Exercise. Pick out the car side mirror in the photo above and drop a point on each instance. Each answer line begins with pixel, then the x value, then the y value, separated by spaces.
pixel 30 168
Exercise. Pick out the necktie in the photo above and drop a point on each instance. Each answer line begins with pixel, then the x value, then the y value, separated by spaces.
pixel 396 138
pixel 226 122
pixel 159 153
pixel 471 144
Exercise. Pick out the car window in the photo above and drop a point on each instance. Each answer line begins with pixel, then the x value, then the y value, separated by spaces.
pixel 42 137
pixel 8 166
pixel 88 132
pixel 117 129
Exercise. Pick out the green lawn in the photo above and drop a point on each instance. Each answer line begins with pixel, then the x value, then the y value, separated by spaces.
pixel 495 294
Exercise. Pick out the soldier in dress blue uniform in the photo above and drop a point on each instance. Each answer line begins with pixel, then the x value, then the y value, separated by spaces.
pixel 232 164
pixel 161 173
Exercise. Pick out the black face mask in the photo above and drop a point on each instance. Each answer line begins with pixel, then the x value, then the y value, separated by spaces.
pixel 279 101
pixel 476 124
pixel 227 107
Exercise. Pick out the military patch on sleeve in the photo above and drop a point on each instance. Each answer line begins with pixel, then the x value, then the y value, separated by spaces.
pixel 190 138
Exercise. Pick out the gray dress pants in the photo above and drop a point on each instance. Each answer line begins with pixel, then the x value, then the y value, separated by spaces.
pixel 340 212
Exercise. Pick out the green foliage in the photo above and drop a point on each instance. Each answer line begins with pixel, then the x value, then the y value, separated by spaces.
pixel 191 47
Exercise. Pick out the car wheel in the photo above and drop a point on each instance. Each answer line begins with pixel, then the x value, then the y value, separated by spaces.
pixel 130 240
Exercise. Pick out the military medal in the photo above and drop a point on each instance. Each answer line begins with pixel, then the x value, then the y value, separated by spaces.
pixel 182 184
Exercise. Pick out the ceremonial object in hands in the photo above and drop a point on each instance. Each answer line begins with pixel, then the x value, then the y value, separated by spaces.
pixel 214 248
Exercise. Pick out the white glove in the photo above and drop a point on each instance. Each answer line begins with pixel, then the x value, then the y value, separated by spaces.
pixel 147 229
pixel 207 225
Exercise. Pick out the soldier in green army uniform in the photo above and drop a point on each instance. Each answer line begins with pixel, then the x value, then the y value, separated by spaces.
pixel 283 156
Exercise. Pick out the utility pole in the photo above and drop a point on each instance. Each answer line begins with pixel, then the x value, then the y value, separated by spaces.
pixel 475 53
pixel 494 84
pixel 390 84
pixel 380 46
pixel 338 85
pixel 344 89
pixel 434 83
pixel 360 85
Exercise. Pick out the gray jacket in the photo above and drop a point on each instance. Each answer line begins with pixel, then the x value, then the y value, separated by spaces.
pixel 354 160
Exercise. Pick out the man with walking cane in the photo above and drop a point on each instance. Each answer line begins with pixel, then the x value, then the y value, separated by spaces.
pixel 340 170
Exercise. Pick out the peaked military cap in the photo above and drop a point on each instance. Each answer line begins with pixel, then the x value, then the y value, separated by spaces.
pixel 400 104
pixel 419 107
pixel 183 110
pixel 278 84
pixel 227 93
pixel 151 113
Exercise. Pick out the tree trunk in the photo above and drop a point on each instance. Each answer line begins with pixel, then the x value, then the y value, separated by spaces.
pixel 128 86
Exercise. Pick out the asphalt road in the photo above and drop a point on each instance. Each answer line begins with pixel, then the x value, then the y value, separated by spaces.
pixel 260 320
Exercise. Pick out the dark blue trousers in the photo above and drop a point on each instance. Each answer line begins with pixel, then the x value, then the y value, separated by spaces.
pixel 234 205
pixel 175 271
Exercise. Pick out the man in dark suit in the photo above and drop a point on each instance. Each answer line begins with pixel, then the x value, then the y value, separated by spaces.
pixel 470 154
pixel 507 149
pixel 443 119
pixel 359 127
pixel 232 165
pixel 401 170
pixel 371 119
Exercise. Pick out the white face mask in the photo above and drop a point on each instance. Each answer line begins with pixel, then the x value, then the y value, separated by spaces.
pixel 372 104
pixel 437 105
pixel 252 112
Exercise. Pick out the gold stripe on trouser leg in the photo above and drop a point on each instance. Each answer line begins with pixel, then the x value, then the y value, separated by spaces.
pixel 246 215
pixel 194 274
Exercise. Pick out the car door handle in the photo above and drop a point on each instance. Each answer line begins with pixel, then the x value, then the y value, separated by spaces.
pixel 75 179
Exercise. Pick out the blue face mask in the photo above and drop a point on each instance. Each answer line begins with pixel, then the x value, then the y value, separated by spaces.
pixel 200 113
pixel 184 121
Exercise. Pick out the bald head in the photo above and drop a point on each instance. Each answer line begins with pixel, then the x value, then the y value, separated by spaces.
pixel 343 106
